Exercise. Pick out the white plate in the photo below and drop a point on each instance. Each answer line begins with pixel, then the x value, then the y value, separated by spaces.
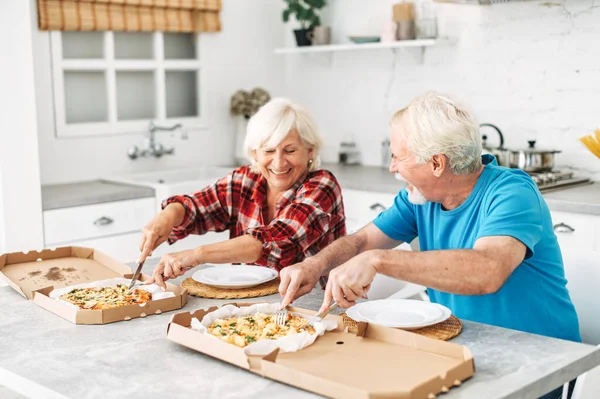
pixel 400 313
pixel 234 276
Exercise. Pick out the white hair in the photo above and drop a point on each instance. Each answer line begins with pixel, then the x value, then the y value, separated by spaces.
pixel 274 121
pixel 436 123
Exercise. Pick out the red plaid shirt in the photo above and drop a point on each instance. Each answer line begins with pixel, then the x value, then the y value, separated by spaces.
pixel 309 216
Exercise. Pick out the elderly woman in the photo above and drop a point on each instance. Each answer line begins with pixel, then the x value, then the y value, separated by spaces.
pixel 279 210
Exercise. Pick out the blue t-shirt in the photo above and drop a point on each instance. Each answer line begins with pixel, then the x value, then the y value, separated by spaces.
pixel 504 202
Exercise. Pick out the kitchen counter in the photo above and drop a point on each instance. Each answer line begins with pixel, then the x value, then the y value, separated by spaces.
pixel 582 199
pixel 90 192
pixel 134 359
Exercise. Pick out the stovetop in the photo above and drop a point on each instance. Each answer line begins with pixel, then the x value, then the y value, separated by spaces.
pixel 556 180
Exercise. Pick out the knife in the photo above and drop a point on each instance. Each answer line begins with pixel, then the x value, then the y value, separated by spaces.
pixel 137 273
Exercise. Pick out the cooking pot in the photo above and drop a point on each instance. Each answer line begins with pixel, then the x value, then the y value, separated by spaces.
pixel 532 159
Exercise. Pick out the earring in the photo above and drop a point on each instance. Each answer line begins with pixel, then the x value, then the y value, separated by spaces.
pixel 310 161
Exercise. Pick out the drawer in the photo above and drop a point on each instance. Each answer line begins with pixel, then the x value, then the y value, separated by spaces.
pixel 364 206
pixel 123 247
pixel 98 220
pixel 575 231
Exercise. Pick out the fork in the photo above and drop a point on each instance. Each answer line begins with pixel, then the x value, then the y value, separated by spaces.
pixel 281 317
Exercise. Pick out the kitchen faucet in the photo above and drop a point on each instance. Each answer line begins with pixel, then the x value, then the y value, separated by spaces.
pixel 151 146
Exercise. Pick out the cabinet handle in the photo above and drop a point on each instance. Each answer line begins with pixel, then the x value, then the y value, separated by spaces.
pixel 563 228
pixel 377 207
pixel 103 221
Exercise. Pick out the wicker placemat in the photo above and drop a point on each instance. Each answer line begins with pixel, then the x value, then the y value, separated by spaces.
pixel 206 291
pixel 443 331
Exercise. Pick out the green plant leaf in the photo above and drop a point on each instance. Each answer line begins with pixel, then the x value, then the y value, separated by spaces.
pixel 316 21
pixel 303 13
pixel 318 4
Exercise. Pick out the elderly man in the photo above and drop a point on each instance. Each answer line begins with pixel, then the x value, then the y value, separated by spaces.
pixel 489 251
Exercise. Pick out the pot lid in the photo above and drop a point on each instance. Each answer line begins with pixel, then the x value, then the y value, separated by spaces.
pixel 532 149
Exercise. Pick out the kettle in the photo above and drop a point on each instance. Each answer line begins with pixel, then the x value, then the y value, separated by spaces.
pixel 501 154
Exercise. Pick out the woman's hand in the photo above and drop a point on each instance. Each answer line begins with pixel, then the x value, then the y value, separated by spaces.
pixel 174 265
pixel 157 231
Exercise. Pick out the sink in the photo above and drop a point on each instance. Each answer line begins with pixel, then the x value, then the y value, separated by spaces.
pixel 177 176
pixel 167 183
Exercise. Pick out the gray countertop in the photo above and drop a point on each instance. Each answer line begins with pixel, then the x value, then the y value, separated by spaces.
pixel 134 359
pixel 581 199
pixel 91 192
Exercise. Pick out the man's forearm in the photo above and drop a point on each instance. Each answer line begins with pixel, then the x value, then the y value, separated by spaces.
pixel 340 251
pixel 463 272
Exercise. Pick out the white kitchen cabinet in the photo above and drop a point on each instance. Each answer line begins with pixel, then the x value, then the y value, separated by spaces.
pixel 125 247
pixel 577 231
pixel 111 227
pixel 364 206
pixel 582 270
pixel 122 247
pixel 97 220
pixel 361 207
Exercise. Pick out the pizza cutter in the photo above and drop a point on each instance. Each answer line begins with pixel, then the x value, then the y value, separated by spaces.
pixel 137 273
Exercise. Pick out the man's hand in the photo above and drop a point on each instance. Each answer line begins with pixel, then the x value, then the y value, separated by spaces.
pixel 174 265
pixel 297 280
pixel 350 280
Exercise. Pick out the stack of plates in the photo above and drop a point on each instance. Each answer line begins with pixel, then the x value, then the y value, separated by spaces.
pixel 407 314
pixel 234 276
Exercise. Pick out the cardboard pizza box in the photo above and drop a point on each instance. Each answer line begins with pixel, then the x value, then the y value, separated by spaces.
pixel 35 274
pixel 376 362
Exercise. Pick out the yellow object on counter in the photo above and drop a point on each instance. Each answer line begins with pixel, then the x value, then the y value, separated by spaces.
pixel 592 143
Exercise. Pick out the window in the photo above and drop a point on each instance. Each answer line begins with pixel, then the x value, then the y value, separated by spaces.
pixel 113 82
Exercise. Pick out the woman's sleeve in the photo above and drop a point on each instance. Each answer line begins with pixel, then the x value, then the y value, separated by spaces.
pixel 207 210
pixel 316 209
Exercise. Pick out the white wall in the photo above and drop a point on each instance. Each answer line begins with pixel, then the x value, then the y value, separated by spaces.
pixel 2 219
pixel 529 67
pixel 238 57
pixel 532 68
pixel 20 198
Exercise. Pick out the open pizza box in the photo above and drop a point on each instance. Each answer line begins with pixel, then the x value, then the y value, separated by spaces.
pixel 35 274
pixel 376 362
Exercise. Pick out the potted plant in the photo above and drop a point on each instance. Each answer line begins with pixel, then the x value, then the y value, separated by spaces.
pixel 305 12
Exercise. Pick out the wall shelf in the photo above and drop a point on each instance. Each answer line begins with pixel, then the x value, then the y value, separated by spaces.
pixel 354 46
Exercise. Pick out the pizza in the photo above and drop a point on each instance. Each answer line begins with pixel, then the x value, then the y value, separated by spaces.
pixel 106 297
pixel 242 331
